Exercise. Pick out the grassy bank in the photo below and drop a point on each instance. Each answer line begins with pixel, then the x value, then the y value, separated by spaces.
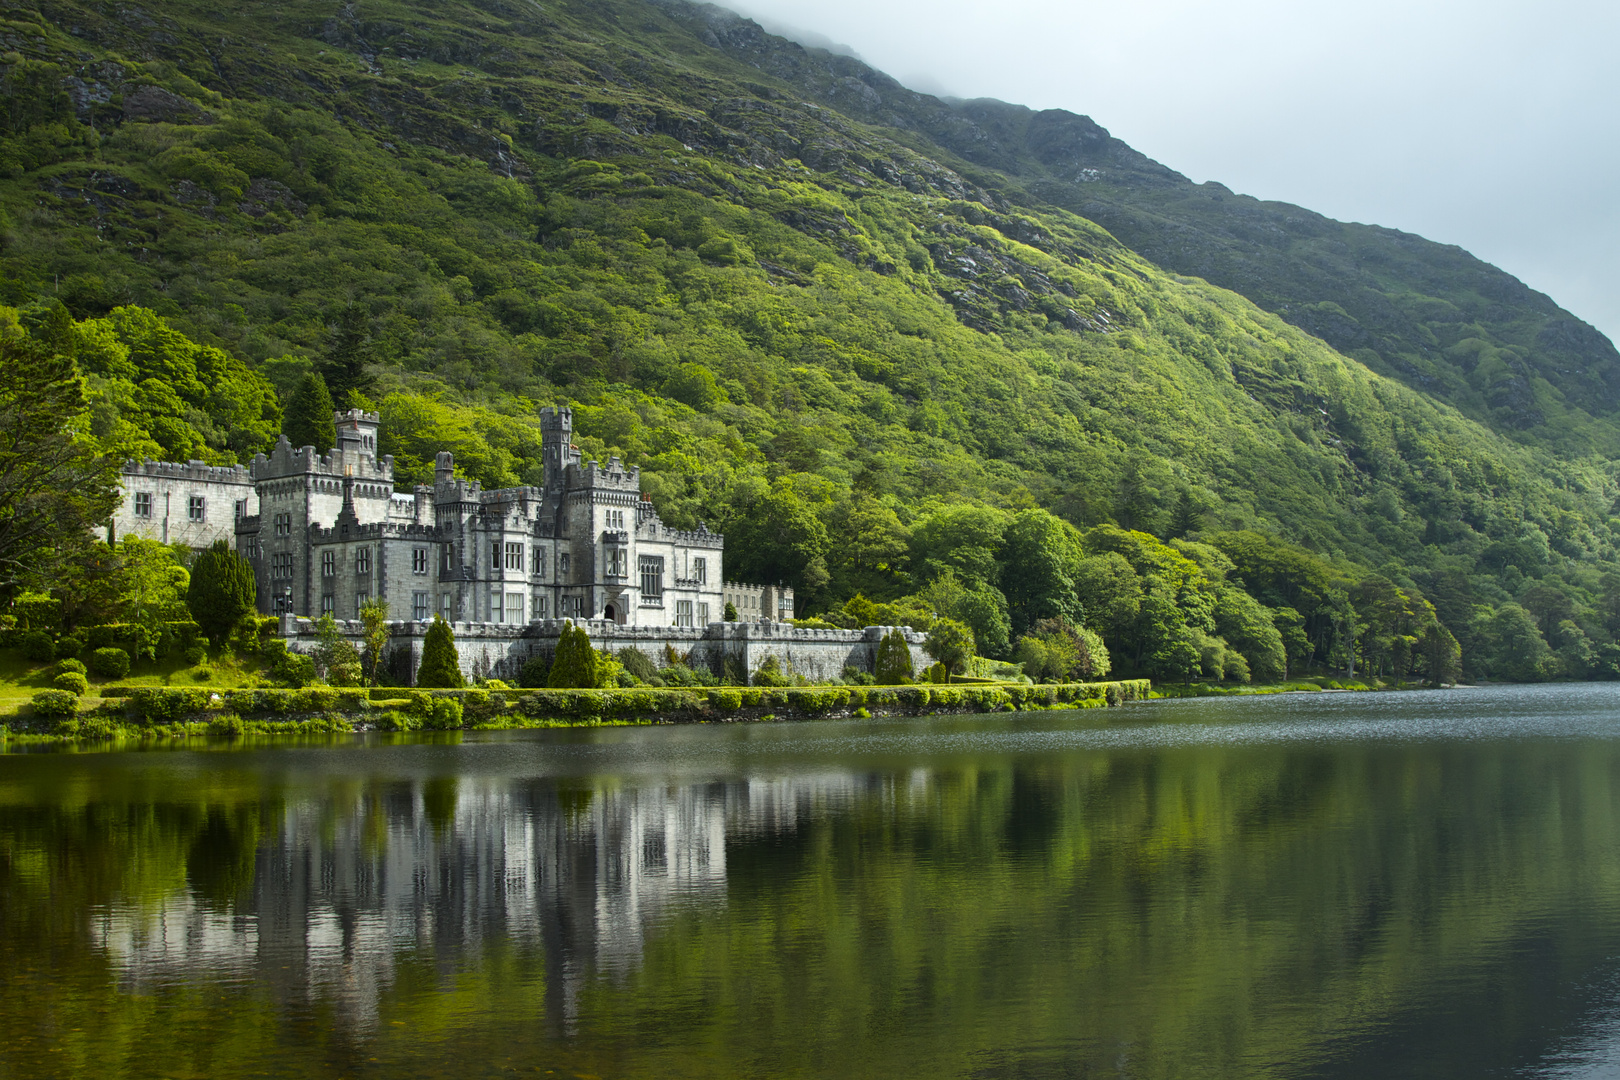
pixel 144 712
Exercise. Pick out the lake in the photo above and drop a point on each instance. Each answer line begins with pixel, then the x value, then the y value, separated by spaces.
pixel 1418 884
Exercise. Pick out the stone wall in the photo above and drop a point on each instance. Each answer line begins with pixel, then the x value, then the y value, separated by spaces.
pixel 158 501
pixel 489 650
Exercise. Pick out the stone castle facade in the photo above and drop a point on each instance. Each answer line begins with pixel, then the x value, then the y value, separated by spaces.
pixel 327 532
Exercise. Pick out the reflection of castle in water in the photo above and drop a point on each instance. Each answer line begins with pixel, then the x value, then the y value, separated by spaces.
pixel 353 883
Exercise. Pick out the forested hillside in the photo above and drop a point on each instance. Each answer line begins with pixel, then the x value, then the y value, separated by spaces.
pixel 881 361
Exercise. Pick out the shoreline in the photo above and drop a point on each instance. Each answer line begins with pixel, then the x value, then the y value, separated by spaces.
pixel 146 714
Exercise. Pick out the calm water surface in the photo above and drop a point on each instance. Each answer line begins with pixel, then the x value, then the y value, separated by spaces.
pixel 1422 884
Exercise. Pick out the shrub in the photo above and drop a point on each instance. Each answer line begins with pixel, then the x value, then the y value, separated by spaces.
pixel 202 673
pixel 56 704
pixel 856 677
pixel 37 645
pixel 441 665
pixel 196 655
pixel 726 700
pixel 893 665
pixel 496 684
pixel 938 674
pixel 226 723
pixel 110 663
pixel 71 645
pixel 294 670
pixel 536 673
pixel 442 714
pixel 166 705
pixel 636 663
pixel 75 666
pixel 73 682
pixel 771 673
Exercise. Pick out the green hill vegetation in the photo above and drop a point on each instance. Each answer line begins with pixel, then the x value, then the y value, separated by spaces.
pixel 888 370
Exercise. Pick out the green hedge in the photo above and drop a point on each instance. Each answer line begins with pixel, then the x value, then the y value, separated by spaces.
pixel 398 709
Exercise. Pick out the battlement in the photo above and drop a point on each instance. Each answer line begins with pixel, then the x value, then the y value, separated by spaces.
pixel 699 537
pixel 582 480
pixel 377 530
pixel 284 461
pixel 197 471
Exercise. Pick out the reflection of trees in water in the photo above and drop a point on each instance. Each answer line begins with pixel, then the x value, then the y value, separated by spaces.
pixel 1075 909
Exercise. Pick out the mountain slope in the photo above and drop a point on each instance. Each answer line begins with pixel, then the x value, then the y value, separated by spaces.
pixel 1428 314
pixel 774 305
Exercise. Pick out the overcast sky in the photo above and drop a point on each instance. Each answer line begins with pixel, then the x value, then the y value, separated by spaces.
pixel 1491 124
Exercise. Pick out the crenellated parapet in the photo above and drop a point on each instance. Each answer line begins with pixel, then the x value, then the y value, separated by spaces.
pixel 197 471
pixel 376 530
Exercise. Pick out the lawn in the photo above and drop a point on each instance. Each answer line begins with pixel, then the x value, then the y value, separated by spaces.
pixel 21 679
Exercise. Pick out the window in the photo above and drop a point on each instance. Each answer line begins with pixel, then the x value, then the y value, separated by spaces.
pixel 328 604
pixel 328 564
pixel 514 607
pixel 497 612
pixel 652 577
pixel 703 615
pixel 495 556
pixel 782 608
pixel 562 567
pixel 538 561
pixel 421 606
pixel 445 607
pixel 283 524
pixel 615 519
pixel 281 566
pixel 514 556
pixel 197 508
pixel 700 570
pixel 143 504
pixel 241 509
pixel 539 607
pixel 615 562
pixel 362 560
pixel 571 607
pixel 361 599
pixel 419 560
pixel 683 613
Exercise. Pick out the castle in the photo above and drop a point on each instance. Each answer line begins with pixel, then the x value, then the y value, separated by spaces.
pixel 327 532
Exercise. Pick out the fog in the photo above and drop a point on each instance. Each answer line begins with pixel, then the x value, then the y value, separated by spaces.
pixel 1490 125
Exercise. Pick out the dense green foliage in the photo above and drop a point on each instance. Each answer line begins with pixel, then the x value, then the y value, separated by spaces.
pixel 221 590
pixel 441 666
pixel 889 369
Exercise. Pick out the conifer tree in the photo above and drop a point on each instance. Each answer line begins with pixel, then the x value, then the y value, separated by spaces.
pixel 441 665
pixel 344 366
pixel 221 591
pixel 308 421
pixel 575 662
pixel 893 665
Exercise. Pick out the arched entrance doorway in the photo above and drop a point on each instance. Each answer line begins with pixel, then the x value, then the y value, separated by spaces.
pixel 611 613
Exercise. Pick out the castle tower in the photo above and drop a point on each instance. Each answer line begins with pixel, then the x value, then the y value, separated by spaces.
pixel 357 431
pixel 556 443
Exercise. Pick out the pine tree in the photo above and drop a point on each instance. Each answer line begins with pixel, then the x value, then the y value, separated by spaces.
pixel 308 420
pixel 222 590
pixel 345 364
pixel 575 662
pixel 441 666
pixel 893 665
